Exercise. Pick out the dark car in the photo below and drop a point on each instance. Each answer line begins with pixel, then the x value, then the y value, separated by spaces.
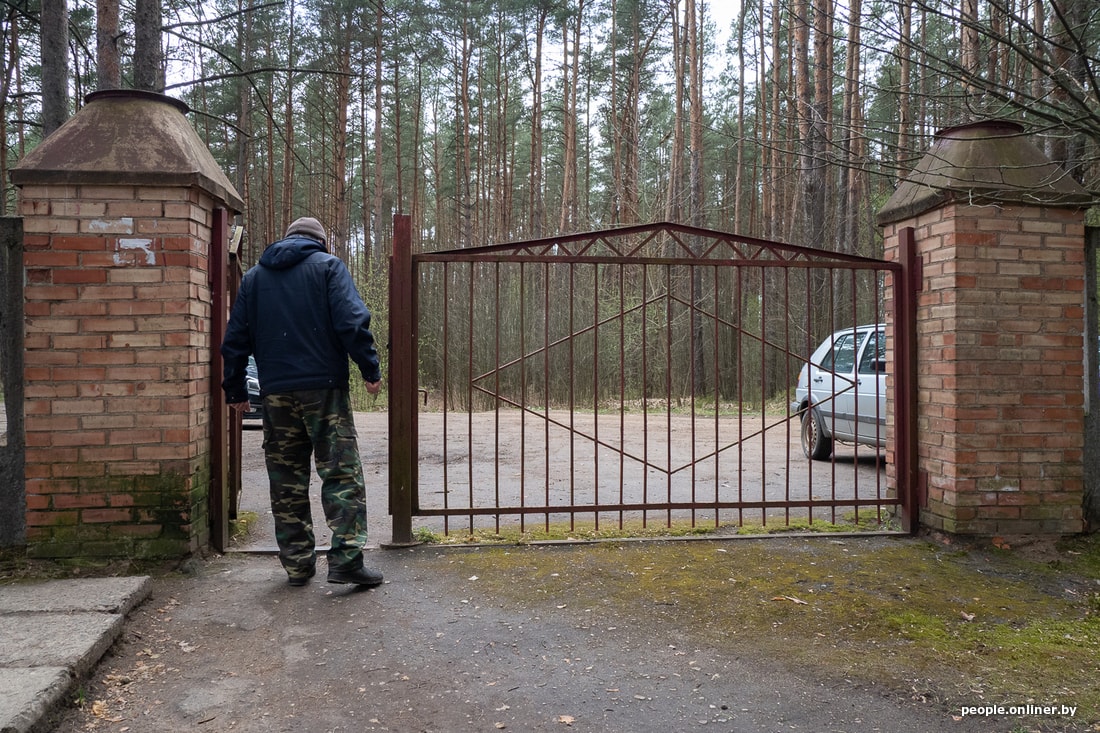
pixel 252 383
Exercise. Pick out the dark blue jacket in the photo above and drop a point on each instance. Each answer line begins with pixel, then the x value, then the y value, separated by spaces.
pixel 299 313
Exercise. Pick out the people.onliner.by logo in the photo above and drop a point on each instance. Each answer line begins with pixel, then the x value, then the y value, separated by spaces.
pixel 1066 710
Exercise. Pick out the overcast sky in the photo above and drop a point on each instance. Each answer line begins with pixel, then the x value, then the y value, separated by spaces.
pixel 723 12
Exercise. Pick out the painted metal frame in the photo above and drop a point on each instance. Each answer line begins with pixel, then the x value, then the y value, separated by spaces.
pixel 796 296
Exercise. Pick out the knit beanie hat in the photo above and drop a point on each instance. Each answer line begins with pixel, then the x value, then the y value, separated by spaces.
pixel 308 226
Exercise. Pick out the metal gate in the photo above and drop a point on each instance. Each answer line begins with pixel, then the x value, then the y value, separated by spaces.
pixel 629 378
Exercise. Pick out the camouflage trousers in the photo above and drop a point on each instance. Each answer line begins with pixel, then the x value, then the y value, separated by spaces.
pixel 318 423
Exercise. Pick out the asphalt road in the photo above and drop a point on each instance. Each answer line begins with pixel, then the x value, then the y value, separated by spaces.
pixel 502 457
pixel 233 648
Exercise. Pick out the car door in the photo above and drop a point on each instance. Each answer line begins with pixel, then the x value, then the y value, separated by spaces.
pixel 869 415
pixel 832 381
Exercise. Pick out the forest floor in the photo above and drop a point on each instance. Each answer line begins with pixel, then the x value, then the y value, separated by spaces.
pixel 776 634
pixel 806 633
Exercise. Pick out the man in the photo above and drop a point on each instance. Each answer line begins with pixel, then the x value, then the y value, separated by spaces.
pixel 299 313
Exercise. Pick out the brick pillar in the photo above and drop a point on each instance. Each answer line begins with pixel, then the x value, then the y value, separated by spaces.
pixel 118 348
pixel 1000 333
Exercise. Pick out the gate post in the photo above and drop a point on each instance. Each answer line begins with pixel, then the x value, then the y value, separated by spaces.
pixel 13 525
pixel 403 374
pixel 119 233
pixel 906 287
pixel 998 230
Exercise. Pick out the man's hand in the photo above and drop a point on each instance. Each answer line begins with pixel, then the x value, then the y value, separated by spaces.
pixel 241 407
pixel 373 387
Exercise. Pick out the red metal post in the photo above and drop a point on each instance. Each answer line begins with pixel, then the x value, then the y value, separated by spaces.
pixel 906 286
pixel 219 437
pixel 236 446
pixel 402 383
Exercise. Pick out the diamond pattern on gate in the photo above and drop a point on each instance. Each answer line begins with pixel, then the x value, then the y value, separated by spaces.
pixel 484 383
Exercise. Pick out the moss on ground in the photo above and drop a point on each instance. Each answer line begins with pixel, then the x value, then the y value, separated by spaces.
pixel 515 534
pixel 933 620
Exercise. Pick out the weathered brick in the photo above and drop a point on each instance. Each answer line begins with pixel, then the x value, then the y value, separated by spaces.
pixel 50 225
pixel 79 276
pixel 1000 414
pixel 94 516
pixel 51 259
pixel 77 208
pixel 136 209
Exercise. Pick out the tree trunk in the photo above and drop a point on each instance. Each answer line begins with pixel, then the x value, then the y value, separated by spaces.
pixel 570 76
pixel 535 201
pixel 616 199
pixel 464 125
pixel 904 69
pixel 680 62
pixel 108 68
pixel 379 189
pixel 739 123
pixel 55 65
pixel 286 212
pixel 772 209
pixel 10 67
pixel 820 122
pixel 696 177
pixel 243 135
pixel 970 47
pixel 148 56
pixel 805 232
pixel 338 227
pixel 851 134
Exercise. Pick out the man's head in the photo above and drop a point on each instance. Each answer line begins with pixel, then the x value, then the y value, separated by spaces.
pixel 309 227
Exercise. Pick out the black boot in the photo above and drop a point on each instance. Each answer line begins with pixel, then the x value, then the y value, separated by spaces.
pixel 357 575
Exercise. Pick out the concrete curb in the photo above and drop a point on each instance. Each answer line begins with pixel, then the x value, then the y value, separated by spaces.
pixel 52 634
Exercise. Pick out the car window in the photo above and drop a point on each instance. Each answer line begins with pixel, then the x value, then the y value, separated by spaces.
pixel 842 357
pixel 874 353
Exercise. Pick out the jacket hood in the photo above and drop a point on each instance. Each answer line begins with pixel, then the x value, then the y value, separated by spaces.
pixel 287 253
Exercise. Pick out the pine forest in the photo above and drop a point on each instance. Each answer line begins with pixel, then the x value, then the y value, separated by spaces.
pixel 490 121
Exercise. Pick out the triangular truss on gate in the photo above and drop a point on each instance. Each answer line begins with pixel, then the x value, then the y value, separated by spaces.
pixel 659 242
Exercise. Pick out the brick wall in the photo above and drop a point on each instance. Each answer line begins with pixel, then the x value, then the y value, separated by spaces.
pixel 1000 331
pixel 117 369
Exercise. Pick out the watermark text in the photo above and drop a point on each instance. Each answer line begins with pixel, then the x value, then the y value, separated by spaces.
pixel 987 710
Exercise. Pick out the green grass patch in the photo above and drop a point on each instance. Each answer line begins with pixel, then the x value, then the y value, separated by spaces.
pixel 240 527
pixel 847 522
pixel 636 529
pixel 561 532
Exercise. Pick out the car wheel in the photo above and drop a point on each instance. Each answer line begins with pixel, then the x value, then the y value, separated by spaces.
pixel 815 443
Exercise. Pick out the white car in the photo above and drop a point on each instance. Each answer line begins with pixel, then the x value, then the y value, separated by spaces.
pixel 841 392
